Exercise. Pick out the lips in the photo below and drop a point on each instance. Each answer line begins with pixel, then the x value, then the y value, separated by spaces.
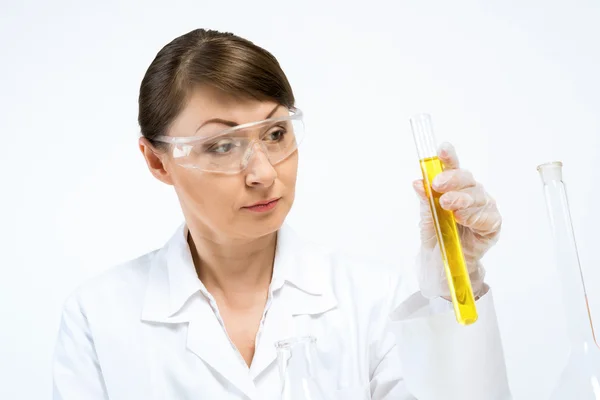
pixel 263 203
pixel 263 206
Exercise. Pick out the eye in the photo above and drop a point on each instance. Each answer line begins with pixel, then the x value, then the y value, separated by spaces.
pixel 276 135
pixel 222 146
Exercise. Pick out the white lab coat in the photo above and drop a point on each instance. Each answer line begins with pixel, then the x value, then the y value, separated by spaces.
pixel 149 330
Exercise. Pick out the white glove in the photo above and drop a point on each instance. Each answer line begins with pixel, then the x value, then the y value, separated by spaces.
pixel 478 220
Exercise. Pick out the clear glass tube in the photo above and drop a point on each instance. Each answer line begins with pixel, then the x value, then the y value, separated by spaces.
pixel 298 369
pixel 581 377
pixel 446 229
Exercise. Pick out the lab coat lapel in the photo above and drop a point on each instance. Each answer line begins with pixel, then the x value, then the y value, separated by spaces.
pixel 175 295
pixel 300 286
pixel 279 325
pixel 207 339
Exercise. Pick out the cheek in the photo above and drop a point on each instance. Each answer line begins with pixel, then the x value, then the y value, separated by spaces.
pixel 287 171
pixel 206 193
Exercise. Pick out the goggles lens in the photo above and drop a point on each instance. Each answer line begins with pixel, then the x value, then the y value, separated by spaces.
pixel 231 151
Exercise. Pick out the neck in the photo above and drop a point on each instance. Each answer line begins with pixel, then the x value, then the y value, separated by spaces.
pixel 234 268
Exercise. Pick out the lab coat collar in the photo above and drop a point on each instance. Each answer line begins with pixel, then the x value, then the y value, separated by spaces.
pixel 300 285
pixel 170 299
pixel 300 264
pixel 173 279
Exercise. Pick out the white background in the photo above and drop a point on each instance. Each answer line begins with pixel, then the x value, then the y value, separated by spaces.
pixel 511 83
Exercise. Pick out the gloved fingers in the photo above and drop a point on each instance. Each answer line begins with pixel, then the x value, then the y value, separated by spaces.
pixel 448 157
pixel 419 188
pixel 453 201
pixel 484 220
pixel 474 196
pixel 453 179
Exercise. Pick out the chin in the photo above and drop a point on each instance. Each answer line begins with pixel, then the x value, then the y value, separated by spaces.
pixel 256 226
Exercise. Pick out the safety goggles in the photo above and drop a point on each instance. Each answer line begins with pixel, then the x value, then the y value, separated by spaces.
pixel 230 151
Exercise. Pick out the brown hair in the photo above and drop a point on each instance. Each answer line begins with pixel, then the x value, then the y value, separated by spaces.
pixel 220 59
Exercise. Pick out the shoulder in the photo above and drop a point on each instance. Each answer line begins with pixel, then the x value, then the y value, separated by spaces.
pixel 340 264
pixel 364 278
pixel 358 275
pixel 362 272
pixel 120 287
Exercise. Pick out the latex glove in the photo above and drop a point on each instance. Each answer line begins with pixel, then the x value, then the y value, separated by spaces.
pixel 478 220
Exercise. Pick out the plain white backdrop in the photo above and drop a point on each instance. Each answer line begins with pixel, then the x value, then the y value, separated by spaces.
pixel 511 84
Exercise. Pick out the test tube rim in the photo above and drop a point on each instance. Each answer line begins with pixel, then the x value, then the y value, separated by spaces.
pixel 550 164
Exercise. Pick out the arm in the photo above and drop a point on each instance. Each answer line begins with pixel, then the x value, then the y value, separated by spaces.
pixel 76 371
pixel 442 359
pixel 421 352
pixel 445 360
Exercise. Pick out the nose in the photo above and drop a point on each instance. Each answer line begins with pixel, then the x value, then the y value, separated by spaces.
pixel 259 171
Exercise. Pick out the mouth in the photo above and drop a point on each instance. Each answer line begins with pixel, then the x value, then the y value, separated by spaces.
pixel 263 206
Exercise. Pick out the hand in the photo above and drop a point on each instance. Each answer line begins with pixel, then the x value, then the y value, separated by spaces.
pixel 478 220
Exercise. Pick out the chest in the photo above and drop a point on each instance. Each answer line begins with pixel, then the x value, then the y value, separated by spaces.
pixel 197 358
pixel 242 327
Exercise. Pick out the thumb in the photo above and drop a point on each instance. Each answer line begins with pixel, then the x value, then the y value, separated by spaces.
pixel 419 187
pixel 428 236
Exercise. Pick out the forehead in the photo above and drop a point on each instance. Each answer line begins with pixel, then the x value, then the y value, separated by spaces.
pixel 206 103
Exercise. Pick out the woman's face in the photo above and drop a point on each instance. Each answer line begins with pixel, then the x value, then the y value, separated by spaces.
pixel 220 204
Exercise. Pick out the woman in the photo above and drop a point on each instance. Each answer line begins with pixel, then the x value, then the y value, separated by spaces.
pixel 198 319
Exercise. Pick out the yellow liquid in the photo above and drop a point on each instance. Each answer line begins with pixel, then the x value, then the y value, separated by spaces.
pixel 449 242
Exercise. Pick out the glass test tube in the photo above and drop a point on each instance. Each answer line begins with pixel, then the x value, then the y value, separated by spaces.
pixel 580 378
pixel 299 369
pixel 446 229
pixel 571 277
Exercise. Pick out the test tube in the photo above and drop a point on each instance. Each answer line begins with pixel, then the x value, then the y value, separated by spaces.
pixel 446 229
pixel 580 325
pixel 581 373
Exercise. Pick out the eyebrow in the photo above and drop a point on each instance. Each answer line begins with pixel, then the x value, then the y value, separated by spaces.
pixel 233 123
